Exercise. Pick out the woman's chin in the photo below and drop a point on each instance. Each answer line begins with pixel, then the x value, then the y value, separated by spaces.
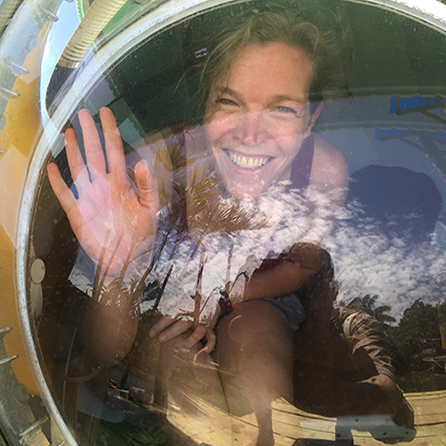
pixel 245 191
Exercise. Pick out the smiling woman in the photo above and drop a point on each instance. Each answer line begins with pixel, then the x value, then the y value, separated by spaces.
pixel 258 112
pixel 186 251
pixel 258 118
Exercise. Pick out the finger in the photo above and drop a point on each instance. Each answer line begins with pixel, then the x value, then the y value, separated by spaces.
pixel 113 145
pixel 75 161
pixel 197 335
pixel 147 187
pixel 175 330
pixel 92 144
pixel 160 326
pixel 61 190
pixel 210 344
pixel 211 340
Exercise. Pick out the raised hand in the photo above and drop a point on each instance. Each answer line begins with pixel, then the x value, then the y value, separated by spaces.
pixel 113 223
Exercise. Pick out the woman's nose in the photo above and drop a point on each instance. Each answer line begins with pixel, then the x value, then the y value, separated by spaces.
pixel 252 128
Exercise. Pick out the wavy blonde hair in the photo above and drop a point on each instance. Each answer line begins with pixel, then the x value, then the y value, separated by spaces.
pixel 263 28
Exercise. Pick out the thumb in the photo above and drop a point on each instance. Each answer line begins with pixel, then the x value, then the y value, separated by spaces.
pixel 147 187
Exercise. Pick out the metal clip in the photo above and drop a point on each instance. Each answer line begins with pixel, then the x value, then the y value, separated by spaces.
pixel 51 17
pixel 17 69
pixel 8 94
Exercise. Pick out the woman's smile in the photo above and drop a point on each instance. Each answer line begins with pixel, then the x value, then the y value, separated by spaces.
pixel 248 162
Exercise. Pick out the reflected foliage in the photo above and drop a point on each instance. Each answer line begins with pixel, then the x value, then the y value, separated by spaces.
pixel 417 328
pixel 368 304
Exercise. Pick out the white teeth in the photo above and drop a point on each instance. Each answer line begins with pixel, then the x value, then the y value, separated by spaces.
pixel 243 162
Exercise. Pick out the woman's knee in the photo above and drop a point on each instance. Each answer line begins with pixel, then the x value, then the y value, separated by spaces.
pixel 255 322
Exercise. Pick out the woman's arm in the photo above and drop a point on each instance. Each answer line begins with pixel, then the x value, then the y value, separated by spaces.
pixel 290 274
pixel 109 330
pixel 116 226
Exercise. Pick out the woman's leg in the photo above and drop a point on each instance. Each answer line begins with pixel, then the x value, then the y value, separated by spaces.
pixel 254 351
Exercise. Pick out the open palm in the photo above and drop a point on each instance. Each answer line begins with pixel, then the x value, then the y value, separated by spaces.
pixel 113 223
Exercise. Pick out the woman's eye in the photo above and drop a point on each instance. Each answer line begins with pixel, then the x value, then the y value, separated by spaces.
pixel 225 101
pixel 284 109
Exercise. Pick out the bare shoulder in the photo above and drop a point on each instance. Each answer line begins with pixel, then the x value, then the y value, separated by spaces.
pixel 329 168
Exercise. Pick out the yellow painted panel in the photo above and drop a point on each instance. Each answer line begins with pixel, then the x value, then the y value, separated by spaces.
pixel 8 315
pixel 22 128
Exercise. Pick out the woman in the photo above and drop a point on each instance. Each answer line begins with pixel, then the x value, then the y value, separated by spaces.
pixel 257 132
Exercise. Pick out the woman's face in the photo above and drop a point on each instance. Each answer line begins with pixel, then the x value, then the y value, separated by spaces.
pixel 258 116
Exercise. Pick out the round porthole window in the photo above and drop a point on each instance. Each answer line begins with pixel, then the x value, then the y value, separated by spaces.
pixel 222 222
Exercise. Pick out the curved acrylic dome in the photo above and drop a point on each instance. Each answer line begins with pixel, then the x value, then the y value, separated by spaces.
pixel 384 116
